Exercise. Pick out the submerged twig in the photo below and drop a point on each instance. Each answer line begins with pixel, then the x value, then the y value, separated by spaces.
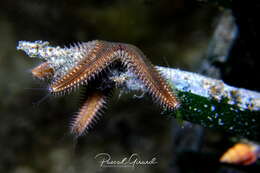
pixel 206 101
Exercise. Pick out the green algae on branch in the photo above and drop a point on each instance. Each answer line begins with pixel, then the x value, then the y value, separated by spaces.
pixel 220 115
pixel 211 103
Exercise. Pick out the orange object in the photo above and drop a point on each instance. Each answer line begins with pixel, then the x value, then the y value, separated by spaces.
pixel 42 71
pixel 240 154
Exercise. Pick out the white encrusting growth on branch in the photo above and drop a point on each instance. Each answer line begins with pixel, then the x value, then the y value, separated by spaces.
pixel 211 88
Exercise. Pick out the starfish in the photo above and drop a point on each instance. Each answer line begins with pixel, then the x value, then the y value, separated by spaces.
pixel 93 64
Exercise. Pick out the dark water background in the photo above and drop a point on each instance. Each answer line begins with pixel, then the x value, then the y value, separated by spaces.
pixel 178 33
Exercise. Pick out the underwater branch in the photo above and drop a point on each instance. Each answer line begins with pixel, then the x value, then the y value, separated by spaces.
pixel 205 101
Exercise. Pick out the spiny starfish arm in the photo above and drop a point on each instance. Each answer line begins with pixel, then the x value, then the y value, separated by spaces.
pixel 135 60
pixel 89 112
pixel 43 71
pixel 97 60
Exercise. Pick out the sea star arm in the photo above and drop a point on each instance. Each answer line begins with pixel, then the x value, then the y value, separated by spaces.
pixel 134 59
pixel 90 111
pixel 97 60
pixel 43 71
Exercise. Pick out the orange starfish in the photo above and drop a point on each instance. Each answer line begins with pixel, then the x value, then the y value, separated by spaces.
pixel 83 63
